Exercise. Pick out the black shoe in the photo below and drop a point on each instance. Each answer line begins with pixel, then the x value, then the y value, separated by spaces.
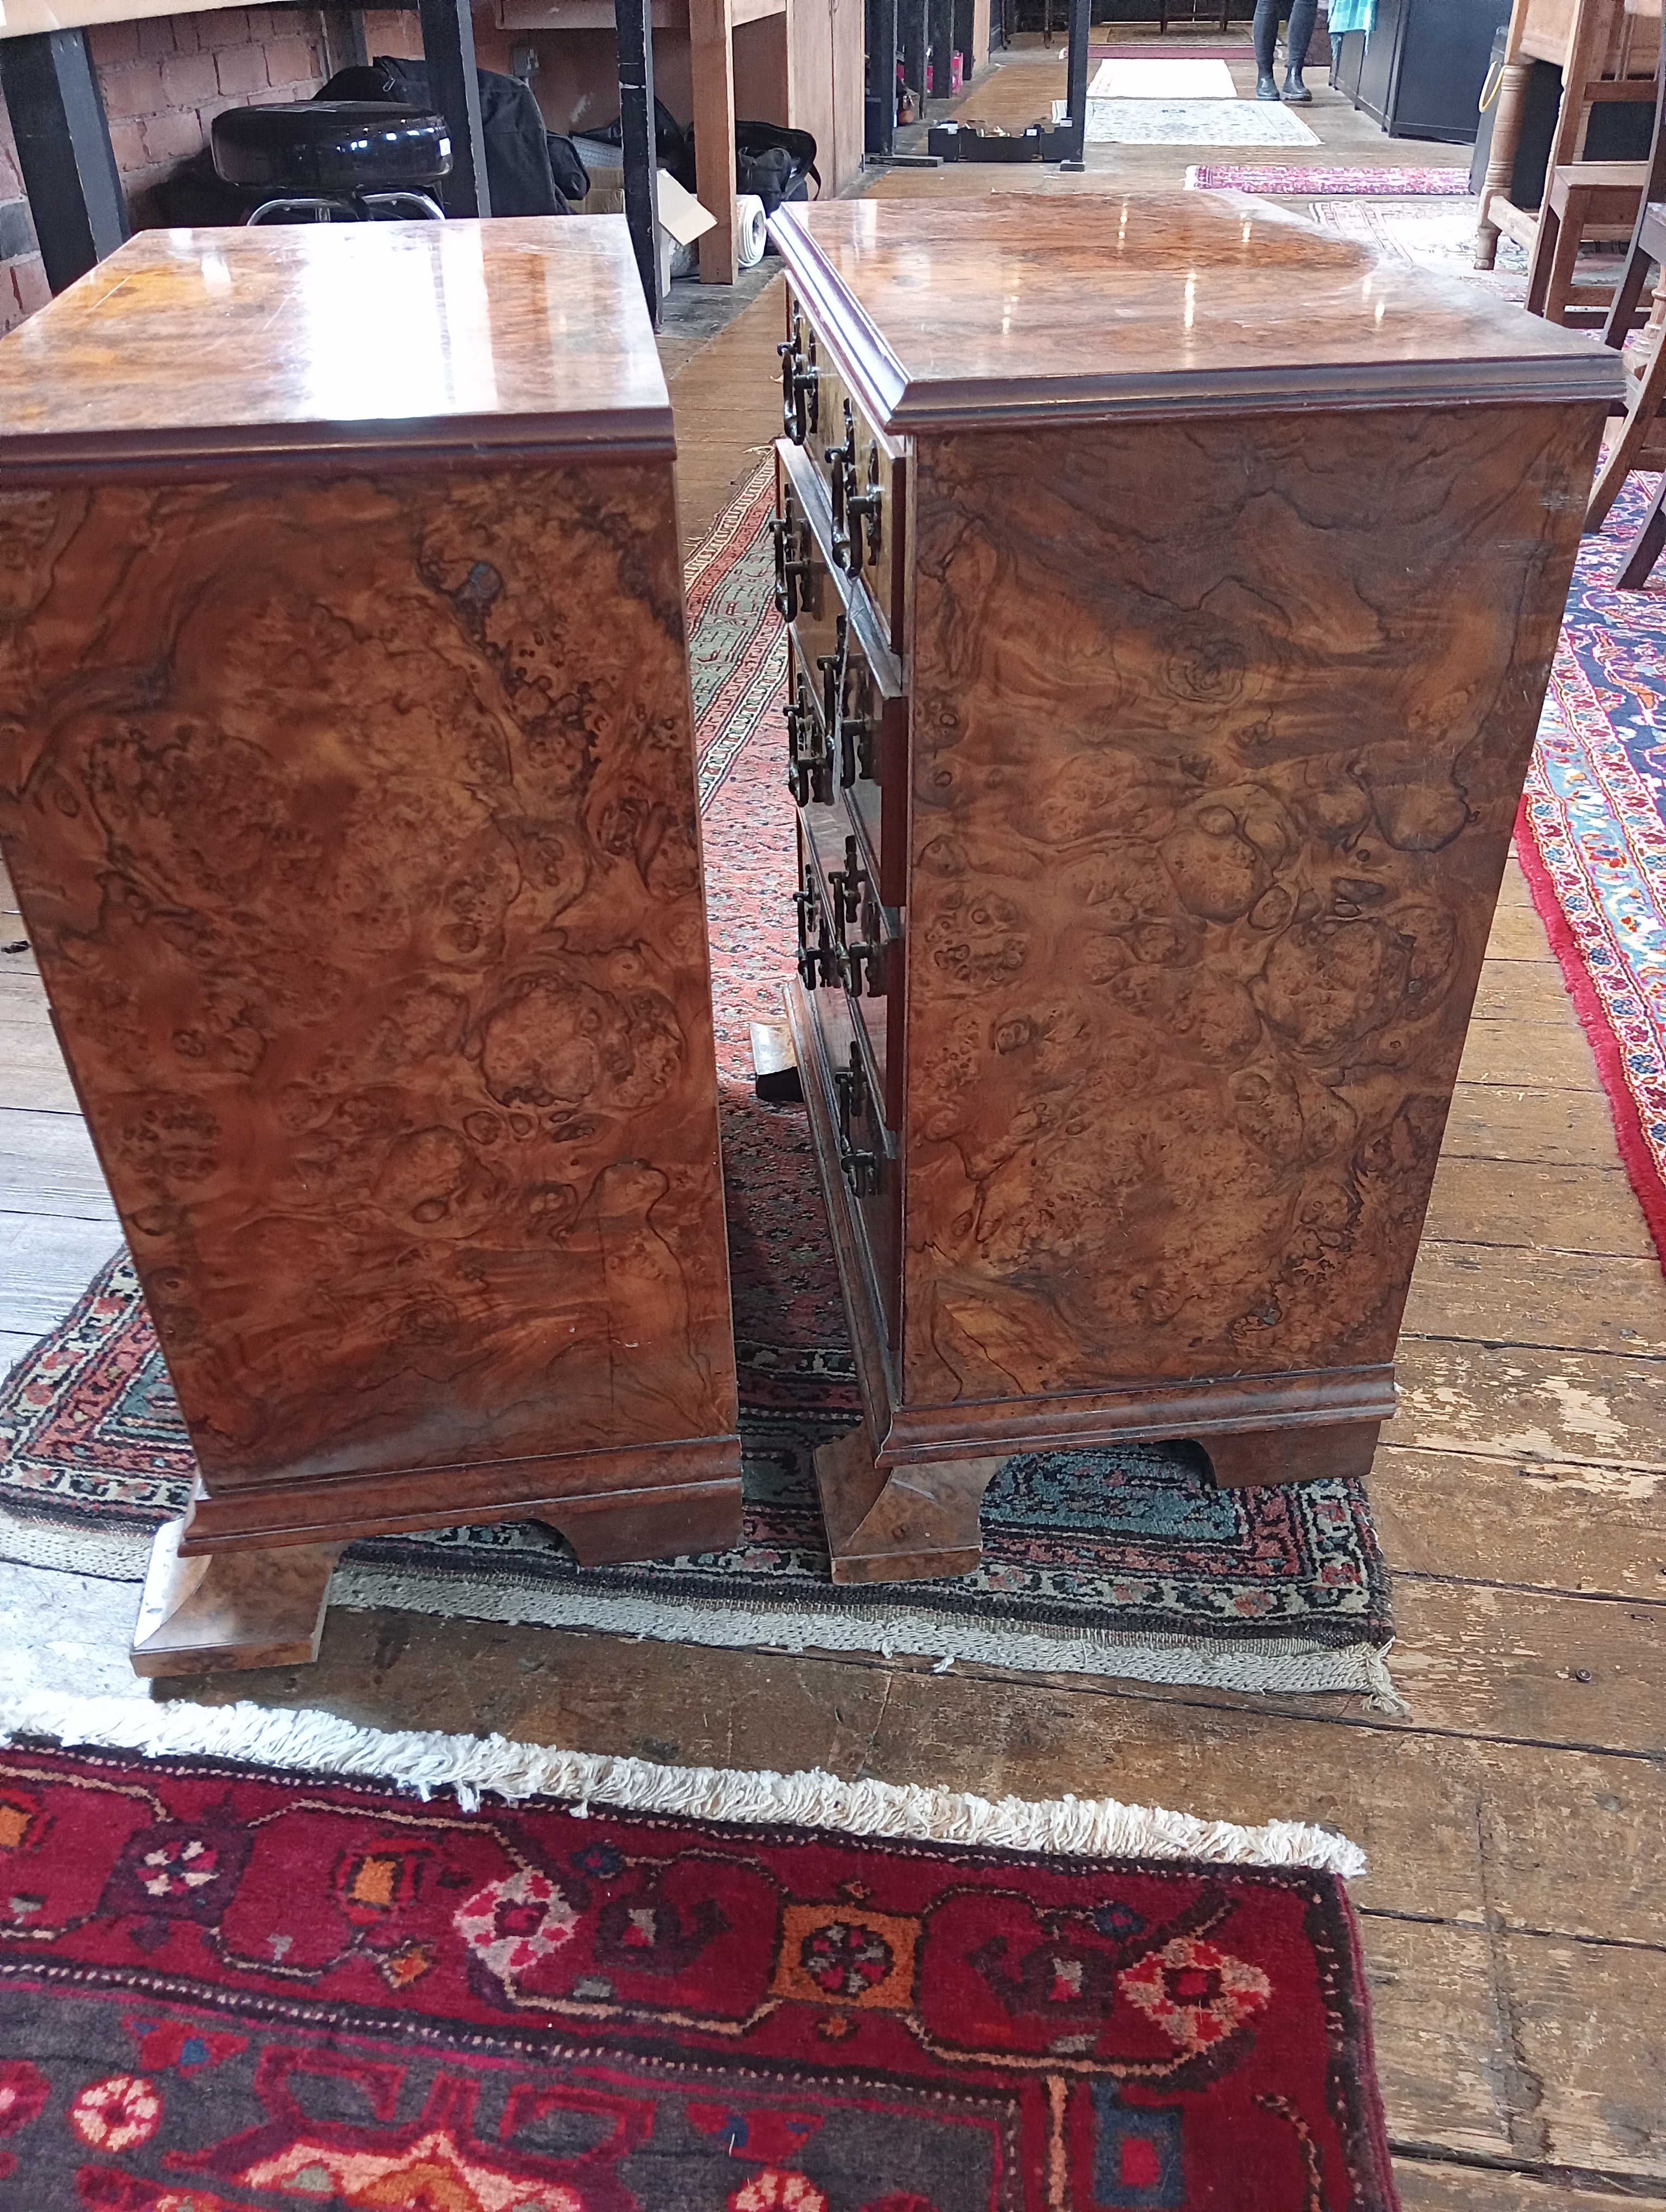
pixel 1267 87
pixel 1296 94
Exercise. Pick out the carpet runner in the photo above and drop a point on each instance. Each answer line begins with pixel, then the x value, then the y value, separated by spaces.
pixel 1192 122
pixel 1126 1562
pixel 1316 183
pixel 228 1988
pixel 1591 837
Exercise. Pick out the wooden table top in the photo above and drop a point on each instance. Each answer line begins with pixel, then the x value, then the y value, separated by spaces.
pixel 375 339
pixel 997 312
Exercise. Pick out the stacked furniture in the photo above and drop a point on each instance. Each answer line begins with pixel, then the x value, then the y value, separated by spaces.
pixel 1172 593
pixel 1607 51
pixel 347 783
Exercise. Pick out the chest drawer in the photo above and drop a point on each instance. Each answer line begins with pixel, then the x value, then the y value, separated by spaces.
pixel 864 479
pixel 869 1159
pixel 847 740
pixel 849 942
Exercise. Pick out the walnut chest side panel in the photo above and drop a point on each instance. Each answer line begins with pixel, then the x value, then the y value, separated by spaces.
pixel 1218 731
pixel 354 820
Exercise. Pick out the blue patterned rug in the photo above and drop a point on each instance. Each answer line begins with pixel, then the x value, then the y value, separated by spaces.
pixel 1124 1563
pixel 1592 837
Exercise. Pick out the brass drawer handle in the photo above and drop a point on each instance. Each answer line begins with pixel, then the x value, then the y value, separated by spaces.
pixel 808 753
pixel 794 563
pixel 861 1168
pixel 817 961
pixel 858 526
pixel 841 675
pixel 798 381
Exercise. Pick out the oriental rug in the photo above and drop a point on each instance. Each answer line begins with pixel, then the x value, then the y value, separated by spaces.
pixel 1126 1562
pixel 1314 182
pixel 1591 838
pixel 228 1988
pixel 1193 122
pixel 1433 236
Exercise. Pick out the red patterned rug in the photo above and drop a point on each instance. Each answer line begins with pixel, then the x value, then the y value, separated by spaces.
pixel 1306 180
pixel 227 1989
pixel 1591 838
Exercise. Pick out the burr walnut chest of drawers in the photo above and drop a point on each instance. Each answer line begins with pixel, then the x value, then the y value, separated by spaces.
pixel 1171 590
pixel 346 778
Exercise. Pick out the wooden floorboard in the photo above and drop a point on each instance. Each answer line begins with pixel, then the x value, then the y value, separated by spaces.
pixel 1514 1913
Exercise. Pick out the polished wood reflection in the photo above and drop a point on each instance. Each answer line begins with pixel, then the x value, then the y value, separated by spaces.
pixel 1192 303
pixel 386 337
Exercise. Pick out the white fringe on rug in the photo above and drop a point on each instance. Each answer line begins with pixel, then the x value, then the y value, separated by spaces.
pixel 1287 1666
pixel 1290 1665
pixel 320 1743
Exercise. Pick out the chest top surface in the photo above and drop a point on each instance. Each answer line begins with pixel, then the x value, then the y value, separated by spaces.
pixel 957 315
pixel 342 338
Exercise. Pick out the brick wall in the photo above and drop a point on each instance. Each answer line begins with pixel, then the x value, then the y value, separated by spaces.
pixel 164 80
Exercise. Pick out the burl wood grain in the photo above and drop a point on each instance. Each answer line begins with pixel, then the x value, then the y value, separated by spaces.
pixel 355 824
pixel 1207 827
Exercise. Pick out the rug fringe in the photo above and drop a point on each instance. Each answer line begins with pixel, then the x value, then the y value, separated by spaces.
pixel 1288 1666
pixel 320 1743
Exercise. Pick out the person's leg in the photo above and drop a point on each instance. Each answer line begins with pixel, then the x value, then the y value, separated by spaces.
pixel 1266 34
pixel 1301 14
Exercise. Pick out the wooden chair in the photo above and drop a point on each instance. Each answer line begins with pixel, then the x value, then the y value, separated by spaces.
pixel 1642 438
pixel 1587 199
pixel 1602 48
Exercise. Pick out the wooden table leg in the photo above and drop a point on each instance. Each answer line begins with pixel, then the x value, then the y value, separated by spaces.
pixel 711 62
pixel 1292 1454
pixel 1501 157
pixel 231 1609
pixel 907 1524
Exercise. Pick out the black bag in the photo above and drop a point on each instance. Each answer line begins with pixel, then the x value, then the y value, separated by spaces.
pixel 673 146
pixel 518 175
pixel 572 178
pixel 775 163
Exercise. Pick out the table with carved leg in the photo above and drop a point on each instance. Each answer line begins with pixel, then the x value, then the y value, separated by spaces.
pixel 1172 589
pixel 347 782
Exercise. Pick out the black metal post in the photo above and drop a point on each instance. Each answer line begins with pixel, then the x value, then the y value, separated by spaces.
pixel 879 135
pixel 962 34
pixel 344 29
pixel 1076 83
pixel 453 86
pixel 64 151
pixel 913 50
pixel 633 26
pixel 941 22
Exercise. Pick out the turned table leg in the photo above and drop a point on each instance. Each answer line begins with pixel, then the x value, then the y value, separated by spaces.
pixel 904 1524
pixel 1501 156
pixel 1292 1454
pixel 231 1609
